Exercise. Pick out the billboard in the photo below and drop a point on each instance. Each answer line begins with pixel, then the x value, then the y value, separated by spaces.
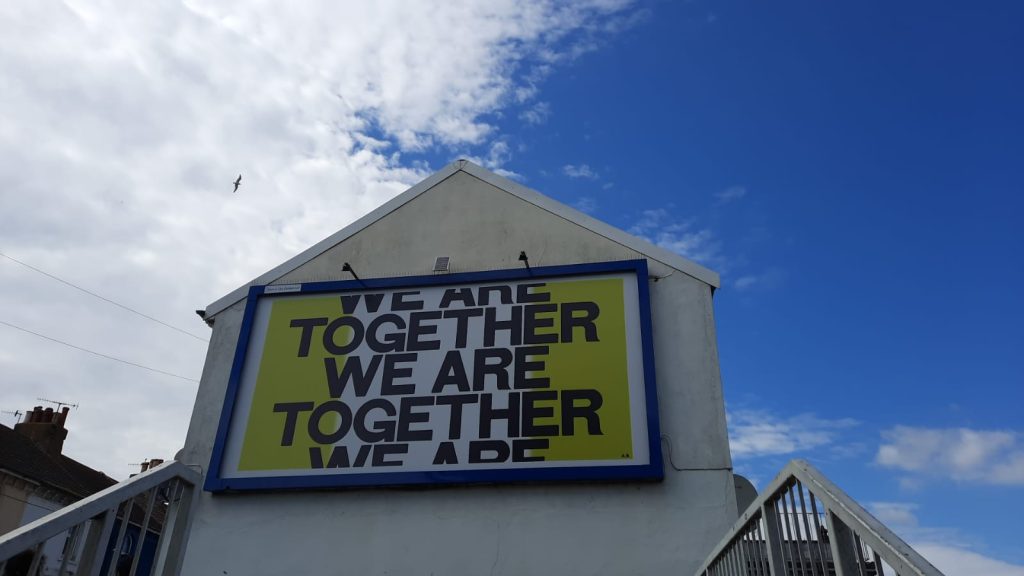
pixel 500 376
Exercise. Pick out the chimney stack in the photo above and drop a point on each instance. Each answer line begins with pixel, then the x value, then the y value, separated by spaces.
pixel 149 464
pixel 45 428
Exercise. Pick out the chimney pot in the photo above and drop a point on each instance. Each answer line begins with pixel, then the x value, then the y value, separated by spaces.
pixel 44 429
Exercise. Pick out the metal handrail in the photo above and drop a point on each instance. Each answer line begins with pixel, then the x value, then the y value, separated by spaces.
pixel 172 485
pixel 774 535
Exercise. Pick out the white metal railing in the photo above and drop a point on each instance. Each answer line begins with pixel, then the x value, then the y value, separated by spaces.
pixel 804 525
pixel 152 512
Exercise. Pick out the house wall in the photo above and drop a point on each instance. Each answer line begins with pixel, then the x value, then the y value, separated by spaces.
pixel 599 528
pixel 14 494
pixel 36 507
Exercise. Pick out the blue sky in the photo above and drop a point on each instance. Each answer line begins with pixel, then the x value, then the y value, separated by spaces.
pixel 854 172
pixel 858 170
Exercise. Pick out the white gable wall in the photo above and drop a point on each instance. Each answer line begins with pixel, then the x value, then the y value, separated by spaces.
pixel 618 528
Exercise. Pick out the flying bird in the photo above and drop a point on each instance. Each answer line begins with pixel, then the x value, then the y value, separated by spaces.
pixel 237 183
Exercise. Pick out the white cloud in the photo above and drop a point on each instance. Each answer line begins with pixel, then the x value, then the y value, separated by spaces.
pixel 946 549
pixel 124 128
pixel 768 279
pixel 536 114
pixel 746 282
pixel 957 561
pixel 755 433
pixel 894 514
pixel 962 454
pixel 581 171
pixel 658 227
pixel 730 194
pixel 586 204
pixel 497 155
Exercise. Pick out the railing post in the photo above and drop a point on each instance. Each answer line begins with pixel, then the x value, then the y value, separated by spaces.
pixel 844 553
pixel 115 554
pixel 37 557
pixel 69 549
pixel 95 543
pixel 772 538
pixel 144 530
pixel 171 552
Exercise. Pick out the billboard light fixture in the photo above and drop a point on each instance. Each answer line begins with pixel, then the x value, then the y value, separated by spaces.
pixel 346 267
pixel 525 260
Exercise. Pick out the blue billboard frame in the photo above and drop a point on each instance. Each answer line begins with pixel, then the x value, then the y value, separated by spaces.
pixel 654 470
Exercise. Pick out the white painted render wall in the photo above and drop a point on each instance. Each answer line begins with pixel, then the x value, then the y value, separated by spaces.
pixel 610 528
pixel 36 508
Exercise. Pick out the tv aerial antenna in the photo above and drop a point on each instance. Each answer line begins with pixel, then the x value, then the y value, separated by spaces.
pixel 16 413
pixel 58 403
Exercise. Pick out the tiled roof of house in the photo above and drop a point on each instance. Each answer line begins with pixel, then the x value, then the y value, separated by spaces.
pixel 20 455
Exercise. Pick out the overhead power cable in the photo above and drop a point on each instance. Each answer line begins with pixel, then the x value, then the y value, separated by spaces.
pixel 107 300
pixel 100 354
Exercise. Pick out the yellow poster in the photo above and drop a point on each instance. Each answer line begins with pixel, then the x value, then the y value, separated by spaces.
pixel 467 381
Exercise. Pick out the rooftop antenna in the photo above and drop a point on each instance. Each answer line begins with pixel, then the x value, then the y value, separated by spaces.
pixel 16 413
pixel 59 404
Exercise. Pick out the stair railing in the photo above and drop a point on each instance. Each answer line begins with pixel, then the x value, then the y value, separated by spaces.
pixel 804 525
pixel 159 502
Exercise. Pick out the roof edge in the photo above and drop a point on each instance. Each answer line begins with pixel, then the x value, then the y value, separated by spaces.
pixel 539 200
pixel 596 226
pixel 322 246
